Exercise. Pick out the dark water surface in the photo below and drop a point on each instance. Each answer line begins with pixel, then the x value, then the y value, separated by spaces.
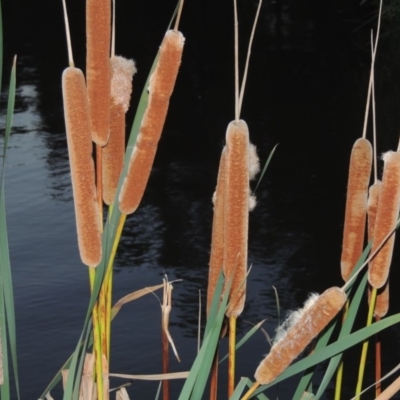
pixel 306 91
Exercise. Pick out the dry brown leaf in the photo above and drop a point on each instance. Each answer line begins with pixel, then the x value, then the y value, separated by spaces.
pixel 122 394
pixel 166 310
pixel 134 296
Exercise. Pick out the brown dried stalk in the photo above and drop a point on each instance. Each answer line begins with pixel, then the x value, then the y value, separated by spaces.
pixel 82 166
pixel 356 206
pixel 237 194
pixel 98 42
pixel 122 71
pixel 386 219
pixel 161 86
pixel 311 323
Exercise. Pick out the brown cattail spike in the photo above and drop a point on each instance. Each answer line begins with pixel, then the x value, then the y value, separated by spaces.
pixel 356 205
pixel 82 166
pixel 113 153
pixel 98 42
pixel 372 206
pixel 311 323
pixel 161 86
pixel 236 214
pixel 382 301
pixel 386 219
pixel 217 236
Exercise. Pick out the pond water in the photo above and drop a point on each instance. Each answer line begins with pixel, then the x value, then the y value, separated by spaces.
pixel 306 91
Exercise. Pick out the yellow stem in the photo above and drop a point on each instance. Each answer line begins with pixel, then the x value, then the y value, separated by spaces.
pixel 365 344
pixel 96 340
pixel 232 354
pixel 251 391
pixel 99 181
pixel 109 275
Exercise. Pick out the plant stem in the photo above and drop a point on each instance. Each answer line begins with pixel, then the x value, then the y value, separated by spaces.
pixel 232 354
pixel 365 344
pixel 251 391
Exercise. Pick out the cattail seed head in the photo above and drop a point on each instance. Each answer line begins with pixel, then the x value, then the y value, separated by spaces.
pixel 356 206
pixel 98 73
pixel 82 165
pixel 386 218
pixel 122 71
pixel 312 321
pixel 382 300
pixel 161 86
pixel 237 194
pixel 372 206
pixel 217 236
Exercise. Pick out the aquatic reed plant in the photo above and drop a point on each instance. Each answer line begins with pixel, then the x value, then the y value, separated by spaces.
pixel 223 298
pixel 161 86
pixel 237 203
pixel 87 213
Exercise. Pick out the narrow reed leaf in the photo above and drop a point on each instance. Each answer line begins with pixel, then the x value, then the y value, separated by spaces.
pixel 215 304
pixel 347 326
pixel 335 348
pixel 1 46
pixel 10 103
pixel 264 170
pixel 243 383
pixel 278 306
pixel 197 379
pixel 158 391
pixel 245 338
pixel 356 206
pixel 357 269
pixel 7 319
